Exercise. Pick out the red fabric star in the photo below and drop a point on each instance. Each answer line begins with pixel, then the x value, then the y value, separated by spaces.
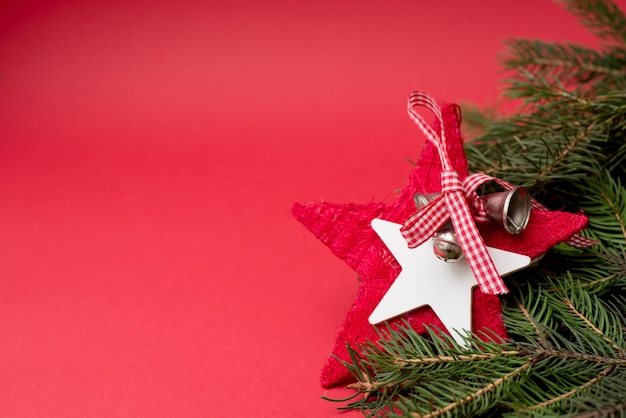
pixel 345 229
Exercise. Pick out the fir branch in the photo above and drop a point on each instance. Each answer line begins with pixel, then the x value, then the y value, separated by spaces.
pixel 595 329
pixel 574 391
pixel 570 64
pixel 499 381
pixel 549 151
pixel 604 199
pixel 616 409
pixel 588 286
pixel 543 341
pixel 602 17
pixel 454 358
pixel 569 355
pixel 477 394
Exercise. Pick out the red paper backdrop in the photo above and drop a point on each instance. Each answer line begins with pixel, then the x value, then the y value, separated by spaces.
pixel 149 156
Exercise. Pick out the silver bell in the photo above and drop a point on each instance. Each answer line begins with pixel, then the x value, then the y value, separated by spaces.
pixel 422 200
pixel 445 243
pixel 511 209
pixel 446 246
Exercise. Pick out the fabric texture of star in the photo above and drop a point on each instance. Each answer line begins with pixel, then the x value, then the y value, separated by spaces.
pixel 345 228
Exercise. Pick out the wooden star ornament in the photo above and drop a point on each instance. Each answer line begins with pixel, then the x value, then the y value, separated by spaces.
pixel 346 228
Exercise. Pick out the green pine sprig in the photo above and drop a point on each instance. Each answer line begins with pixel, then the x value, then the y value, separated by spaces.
pixel 565 343
pixel 603 17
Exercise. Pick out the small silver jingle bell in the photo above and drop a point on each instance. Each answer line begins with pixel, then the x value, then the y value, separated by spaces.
pixel 511 209
pixel 445 243
pixel 446 246
pixel 422 200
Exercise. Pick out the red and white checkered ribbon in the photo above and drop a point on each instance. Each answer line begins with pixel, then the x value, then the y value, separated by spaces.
pixel 453 205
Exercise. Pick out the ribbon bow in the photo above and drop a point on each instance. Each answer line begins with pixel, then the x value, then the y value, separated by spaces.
pixel 453 204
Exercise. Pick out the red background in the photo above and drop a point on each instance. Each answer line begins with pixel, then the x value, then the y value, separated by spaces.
pixel 149 156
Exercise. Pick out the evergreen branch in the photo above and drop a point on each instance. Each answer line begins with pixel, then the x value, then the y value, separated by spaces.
pixel 390 385
pixel 595 329
pixel 600 282
pixel 568 355
pixel 602 17
pixel 481 392
pixel 367 386
pixel 556 147
pixel 561 156
pixel 604 399
pixel 565 62
pixel 543 341
pixel 616 212
pixel 604 199
pixel 580 310
pixel 574 391
pixel 446 359
pixel 615 409
pixel 596 270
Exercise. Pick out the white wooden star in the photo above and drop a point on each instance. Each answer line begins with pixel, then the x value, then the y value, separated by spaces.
pixel 426 280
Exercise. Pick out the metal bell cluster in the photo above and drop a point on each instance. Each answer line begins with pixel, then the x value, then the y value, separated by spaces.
pixel 511 209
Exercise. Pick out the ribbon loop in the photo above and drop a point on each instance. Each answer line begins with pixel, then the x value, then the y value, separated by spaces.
pixel 452 205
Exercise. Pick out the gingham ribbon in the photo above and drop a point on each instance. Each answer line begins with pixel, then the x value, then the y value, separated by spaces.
pixel 453 204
